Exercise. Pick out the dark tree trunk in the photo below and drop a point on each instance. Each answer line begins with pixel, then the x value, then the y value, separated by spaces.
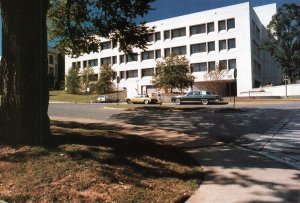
pixel 23 73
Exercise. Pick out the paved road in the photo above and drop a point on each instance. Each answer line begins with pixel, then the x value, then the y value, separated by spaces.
pixel 270 129
pixel 282 141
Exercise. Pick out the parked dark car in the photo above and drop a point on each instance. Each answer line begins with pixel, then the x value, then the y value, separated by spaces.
pixel 203 97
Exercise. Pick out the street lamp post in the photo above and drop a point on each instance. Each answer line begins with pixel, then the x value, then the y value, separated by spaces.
pixel 285 83
pixel 137 86
pixel 235 75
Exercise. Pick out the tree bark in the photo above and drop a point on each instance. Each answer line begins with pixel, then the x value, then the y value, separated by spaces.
pixel 23 73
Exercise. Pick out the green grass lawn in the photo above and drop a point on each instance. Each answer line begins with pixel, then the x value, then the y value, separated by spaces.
pixel 61 95
pixel 96 163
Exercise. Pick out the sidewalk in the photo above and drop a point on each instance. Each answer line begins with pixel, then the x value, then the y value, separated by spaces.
pixel 233 175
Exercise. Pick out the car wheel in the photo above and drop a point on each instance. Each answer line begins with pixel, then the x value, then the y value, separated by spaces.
pixel 204 101
pixel 178 101
pixel 146 101
pixel 129 101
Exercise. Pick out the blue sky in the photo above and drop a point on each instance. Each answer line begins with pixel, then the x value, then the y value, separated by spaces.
pixel 171 8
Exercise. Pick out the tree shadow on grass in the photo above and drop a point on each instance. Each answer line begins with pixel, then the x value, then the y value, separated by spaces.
pixel 117 157
pixel 121 143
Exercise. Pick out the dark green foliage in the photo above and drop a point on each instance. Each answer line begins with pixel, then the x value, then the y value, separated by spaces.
pixel 173 72
pixel 77 23
pixel 105 84
pixel 284 39
pixel 73 80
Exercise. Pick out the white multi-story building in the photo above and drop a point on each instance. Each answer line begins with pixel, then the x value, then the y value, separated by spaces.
pixel 55 68
pixel 228 37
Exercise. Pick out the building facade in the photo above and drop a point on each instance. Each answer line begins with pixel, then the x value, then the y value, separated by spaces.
pixel 227 37
pixel 56 68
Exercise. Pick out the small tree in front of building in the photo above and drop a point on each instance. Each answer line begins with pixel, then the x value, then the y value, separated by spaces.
pixel 172 73
pixel 73 80
pixel 105 84
pixel 86 75
pixel 214 79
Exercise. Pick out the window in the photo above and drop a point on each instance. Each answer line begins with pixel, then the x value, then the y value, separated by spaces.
pixel 167 52
pixel 222 64
pixel 256 68
pixel 198 48
pixel 198 67
pixel 210 46
pixel 147 72
pixel 257 32
pixel 122 75
pixel 231 43
pixel 210 27
pixel 106 60
pixel 255 48
pixel 114 75
pixel 178 32
pixel 106 45
pixel 222 45
pixel 51 71
pixel 114 60
pixel 93 62
pixel 122 59
pixel 211 65
pixel 230 23
pixel 167 34
pixel 133 57
pixel 232 63
pixel 132 73
pixel 197 29
pixel 157 53
pixel 253 26
pixel 157 36
pixel 76 64
pixel 179 50
pixel 147 55
pixel 51 59
pixel 222 25
pixel 84 64
pixel 150 38
pixel 114 44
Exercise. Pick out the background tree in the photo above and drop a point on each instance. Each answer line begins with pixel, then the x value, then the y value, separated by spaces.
pixel 78 23
pixel 86 79
pixel 73 80
pixel 23 71
pixel 284 39
pixel 173 72
pixel 214 79
pixel 105 84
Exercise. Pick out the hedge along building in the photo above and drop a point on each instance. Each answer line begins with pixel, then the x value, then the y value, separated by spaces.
pixel 227 37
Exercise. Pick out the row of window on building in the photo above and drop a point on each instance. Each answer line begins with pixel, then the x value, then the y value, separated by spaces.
pixel 194 67
pixel 205 47
pixel 204 28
